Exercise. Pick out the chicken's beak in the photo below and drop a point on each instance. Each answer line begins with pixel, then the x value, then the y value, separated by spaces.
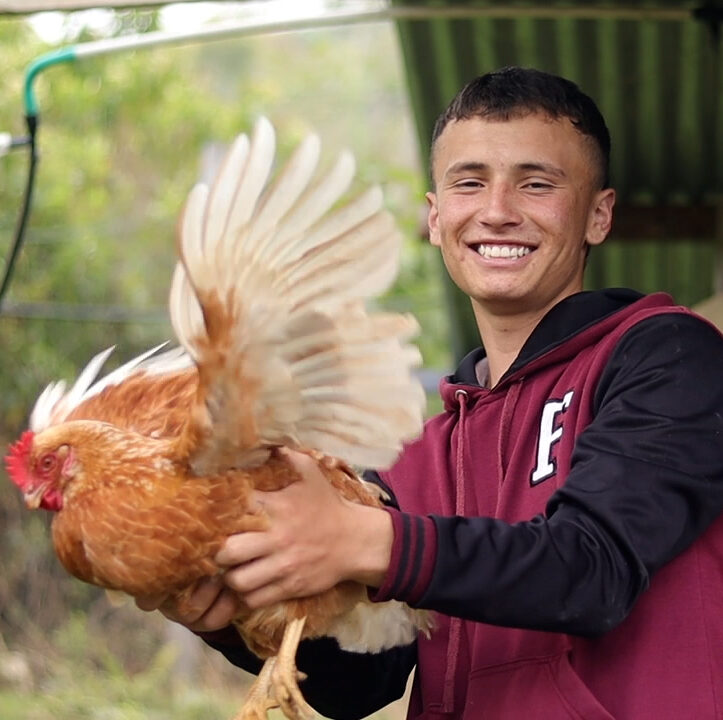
pixel 33 498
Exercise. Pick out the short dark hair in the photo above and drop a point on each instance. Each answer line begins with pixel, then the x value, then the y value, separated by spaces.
pixel 513 92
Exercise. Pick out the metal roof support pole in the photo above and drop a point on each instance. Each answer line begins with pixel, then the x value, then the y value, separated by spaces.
pixel 712 308
pixel 718 240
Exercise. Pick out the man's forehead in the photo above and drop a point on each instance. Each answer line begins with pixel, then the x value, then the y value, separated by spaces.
pixel 521 123
pixel 532 138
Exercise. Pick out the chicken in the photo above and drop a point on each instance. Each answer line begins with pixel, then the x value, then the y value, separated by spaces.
pixel 150 468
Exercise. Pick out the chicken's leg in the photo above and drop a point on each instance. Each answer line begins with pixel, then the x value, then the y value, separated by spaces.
pixel 259 699
pixel 277 683
pixel 285 676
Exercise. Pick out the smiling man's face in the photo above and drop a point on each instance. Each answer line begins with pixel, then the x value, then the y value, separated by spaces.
pixel 515 204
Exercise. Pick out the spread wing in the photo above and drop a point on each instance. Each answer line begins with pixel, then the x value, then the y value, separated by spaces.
pixel 268 299
pixel 151 394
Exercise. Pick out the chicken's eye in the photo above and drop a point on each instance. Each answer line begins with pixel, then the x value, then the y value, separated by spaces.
pixel 47 463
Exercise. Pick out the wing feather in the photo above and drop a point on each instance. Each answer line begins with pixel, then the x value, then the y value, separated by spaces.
pixel 192 230
pixel 287 189
pixel 246 187
pixel 185 310
pixel 268 299
pixel 316 201
pixel 111 398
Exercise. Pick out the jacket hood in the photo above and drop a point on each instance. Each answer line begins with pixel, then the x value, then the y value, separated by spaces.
pixel 571 317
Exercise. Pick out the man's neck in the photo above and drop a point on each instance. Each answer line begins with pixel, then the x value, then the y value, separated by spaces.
pixel 503 338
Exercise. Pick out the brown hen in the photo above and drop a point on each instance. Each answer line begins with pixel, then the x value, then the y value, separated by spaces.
pixel 150 469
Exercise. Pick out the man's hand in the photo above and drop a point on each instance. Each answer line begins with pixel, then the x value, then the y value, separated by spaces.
pixel 210 606
pixel 315 540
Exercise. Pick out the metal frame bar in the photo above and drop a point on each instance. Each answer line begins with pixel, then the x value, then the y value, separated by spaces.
pixel 624 11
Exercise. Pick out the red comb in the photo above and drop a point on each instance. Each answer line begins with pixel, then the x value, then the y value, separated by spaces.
pixel 16 461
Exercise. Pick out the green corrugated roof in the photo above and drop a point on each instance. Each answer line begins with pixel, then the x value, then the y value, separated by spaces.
pixel 657 81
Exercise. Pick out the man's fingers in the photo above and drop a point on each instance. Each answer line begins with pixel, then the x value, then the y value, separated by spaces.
pixel 265 596
pixel 208 606
pixel 256 589
pixel 150 602
pixel 191 607
pixel 303 463
pixel 250 576
pixel 219 615
pixel 242 548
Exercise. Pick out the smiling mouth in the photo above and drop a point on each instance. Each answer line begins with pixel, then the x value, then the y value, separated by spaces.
pixel 511 252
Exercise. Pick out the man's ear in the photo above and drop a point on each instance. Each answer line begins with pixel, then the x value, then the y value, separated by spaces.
pixel 600 218
pixel 433 219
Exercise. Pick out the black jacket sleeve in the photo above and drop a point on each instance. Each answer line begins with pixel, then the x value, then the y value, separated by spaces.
pixel 646 481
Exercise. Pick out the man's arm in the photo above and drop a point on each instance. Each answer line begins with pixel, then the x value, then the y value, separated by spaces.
pixel 646 481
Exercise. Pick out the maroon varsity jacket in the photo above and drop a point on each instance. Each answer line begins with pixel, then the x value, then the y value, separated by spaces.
pixel 521 505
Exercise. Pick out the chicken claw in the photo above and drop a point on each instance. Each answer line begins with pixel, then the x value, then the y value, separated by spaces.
pixel 285 676
pixel 259 699
pixel 277 683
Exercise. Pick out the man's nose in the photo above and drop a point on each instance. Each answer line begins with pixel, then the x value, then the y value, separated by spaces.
pixel 498 206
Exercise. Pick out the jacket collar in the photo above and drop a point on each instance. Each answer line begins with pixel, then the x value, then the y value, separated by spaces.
pixel 569 317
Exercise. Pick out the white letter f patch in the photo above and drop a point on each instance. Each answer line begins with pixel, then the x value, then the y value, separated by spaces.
pixel 549 435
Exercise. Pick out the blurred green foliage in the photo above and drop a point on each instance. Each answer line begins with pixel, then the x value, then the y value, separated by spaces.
pixel 88 682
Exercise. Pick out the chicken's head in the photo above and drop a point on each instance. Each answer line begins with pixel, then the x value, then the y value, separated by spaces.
pixel 39 472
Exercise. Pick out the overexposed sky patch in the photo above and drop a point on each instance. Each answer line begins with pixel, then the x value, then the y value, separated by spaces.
pixel 57 28
pixel 180 16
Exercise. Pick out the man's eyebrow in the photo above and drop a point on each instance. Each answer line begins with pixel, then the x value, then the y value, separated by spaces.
pixel 465 166
pixel 546 168
pixel 471 166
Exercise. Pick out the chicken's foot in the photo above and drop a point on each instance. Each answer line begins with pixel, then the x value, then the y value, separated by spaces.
pixel 277 684
pixel 259 699
pixel 285 676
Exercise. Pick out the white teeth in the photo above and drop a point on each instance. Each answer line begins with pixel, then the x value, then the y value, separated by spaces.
pixel 504 251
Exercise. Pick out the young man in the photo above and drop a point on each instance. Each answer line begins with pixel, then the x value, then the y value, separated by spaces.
pixel 562 515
